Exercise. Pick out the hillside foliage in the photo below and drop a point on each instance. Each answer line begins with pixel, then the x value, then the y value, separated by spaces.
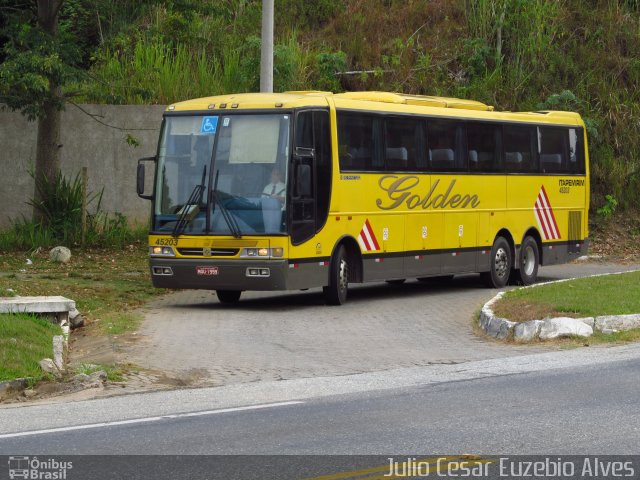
pixel 514 54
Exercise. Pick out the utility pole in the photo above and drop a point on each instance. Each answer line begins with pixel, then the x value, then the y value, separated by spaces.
pixel 266 53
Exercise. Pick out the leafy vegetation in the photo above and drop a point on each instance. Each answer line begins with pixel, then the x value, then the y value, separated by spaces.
pixel 24 341
pixel 60 204
pixel 514 54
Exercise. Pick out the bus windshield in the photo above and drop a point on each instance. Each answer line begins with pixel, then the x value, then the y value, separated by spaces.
pixel 222 174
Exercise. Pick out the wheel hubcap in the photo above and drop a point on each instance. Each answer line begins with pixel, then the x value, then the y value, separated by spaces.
pixel 501 262
pixel 528 261
pixel 344 275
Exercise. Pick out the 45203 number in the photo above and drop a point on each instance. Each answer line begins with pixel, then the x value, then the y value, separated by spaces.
pixel 167 242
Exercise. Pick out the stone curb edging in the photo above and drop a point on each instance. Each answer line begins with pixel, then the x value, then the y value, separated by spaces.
pixel 502 328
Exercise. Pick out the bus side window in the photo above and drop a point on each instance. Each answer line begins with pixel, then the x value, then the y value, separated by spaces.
pixel 518 154
pixel 576 151
pixel 357 142
pixel 483 141
pixel 402 143
pixel 446 144
pixel 552 147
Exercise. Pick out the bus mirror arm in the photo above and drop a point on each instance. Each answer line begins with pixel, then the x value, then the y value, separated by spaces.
pixel 140 178
pixel 304 152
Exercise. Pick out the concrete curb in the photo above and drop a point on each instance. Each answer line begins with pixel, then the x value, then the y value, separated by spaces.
pixel 548 328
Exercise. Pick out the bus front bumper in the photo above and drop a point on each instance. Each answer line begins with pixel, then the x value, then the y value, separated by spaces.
pixel 218 274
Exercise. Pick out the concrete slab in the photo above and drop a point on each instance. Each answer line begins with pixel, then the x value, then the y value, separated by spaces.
pixel 48 304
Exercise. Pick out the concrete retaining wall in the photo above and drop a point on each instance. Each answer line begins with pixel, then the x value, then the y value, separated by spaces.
pixel 111 162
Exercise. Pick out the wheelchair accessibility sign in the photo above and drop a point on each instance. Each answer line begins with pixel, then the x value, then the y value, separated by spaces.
pixel 209 125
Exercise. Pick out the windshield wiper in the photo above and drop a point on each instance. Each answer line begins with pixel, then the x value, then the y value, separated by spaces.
pixel 230 220
pixel 190 209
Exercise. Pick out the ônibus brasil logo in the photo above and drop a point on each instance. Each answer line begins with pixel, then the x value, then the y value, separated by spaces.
pixel 36 469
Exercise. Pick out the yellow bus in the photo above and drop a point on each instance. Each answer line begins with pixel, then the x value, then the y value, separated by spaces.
pixel 313 189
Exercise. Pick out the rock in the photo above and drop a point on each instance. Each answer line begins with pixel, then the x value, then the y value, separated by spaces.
pixel 11 386
pixel 75 319
pixel 527 331
pixel 60 254
pixel 95 380
pixel 498 327
pixel 100 375
pixel 30 393
pixel 617 322
pixel 589 321
pixel 47 366
pixel 80 378
pixel 58 352
pixel 564 327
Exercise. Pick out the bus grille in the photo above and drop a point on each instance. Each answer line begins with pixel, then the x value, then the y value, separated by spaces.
pixel 213 252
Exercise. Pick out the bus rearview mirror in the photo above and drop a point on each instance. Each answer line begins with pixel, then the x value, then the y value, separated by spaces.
pixel 140 177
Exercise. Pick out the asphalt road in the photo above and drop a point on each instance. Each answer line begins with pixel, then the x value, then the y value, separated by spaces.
pixel 583 401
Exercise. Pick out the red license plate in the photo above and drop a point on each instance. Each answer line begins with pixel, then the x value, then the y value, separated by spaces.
pixel 207 270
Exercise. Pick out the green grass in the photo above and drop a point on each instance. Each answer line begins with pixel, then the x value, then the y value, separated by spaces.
pixel 24 341
pixel 583 297
pixel 114 372
pixel 106 284
pixel 120 322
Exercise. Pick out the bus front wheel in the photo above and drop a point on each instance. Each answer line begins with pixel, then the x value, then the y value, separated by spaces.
pixel 336 292
pixel 228 296
pixel 501 264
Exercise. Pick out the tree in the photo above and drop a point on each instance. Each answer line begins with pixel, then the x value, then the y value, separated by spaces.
pixel 36 63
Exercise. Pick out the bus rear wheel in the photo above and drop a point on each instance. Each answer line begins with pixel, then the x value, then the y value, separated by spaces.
pixel 529 261
pixel 498 275
pixel 336 292
pixel 228 296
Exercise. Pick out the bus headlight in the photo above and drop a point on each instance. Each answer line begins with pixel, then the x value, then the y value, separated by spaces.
pixel 263 252
pixel 162 252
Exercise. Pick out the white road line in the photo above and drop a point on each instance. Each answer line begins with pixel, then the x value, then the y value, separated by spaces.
pixel 147 419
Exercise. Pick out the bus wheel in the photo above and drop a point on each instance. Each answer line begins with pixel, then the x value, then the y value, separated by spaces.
pixel 336 292
pixel 529 261
pixel 397 281
pixel 498 276
pixel 228 296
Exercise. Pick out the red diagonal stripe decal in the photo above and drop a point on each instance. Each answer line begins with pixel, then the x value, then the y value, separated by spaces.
pixel 553 218
pixel 373 236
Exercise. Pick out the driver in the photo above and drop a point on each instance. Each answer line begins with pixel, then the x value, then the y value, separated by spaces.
pixel 276 188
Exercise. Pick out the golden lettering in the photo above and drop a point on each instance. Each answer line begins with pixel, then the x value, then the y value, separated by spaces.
pixel 399 191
